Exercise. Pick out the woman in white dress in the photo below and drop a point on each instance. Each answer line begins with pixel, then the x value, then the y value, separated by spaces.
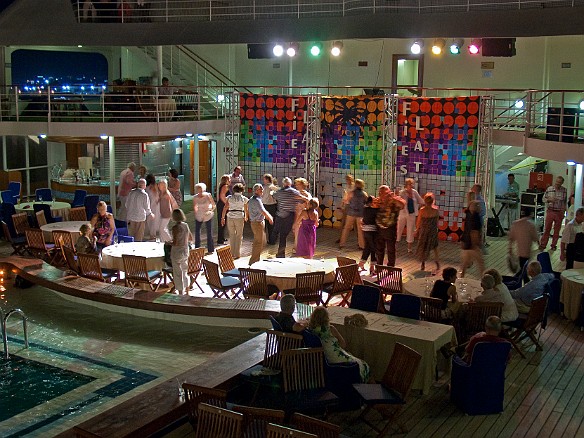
pixel 153 223
pixel 235 215
pixel 167 204
pixel 204 207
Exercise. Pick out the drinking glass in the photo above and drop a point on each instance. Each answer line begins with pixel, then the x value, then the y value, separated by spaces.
pixel 40 198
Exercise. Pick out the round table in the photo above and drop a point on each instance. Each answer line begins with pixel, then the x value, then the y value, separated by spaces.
pixel 71 227
pixel 111 256
pixel 571 295
pixel 466 288
pixel 282 272
pixel 57 208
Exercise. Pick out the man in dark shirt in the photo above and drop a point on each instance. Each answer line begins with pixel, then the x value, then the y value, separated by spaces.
pixel 285 318
pixel 472 239
pixel 389 208
pixel 286 198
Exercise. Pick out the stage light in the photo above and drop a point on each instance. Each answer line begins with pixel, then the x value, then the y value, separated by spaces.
pixel 416 47
pixel 278 50
pixel 518 104
pixel 474 47
pixel 292 49
pixel 456 46
pixel 581 105
pixel 438 46
pixel 315 49
pixel 336 49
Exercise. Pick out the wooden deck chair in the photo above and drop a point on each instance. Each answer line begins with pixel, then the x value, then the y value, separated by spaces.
pixel 344 261
pixel 343 284
pixel 277 431
pixel 78 214
pixel 137 273
pixel 70 258
pixel 217 422
pixel 320 428
pixel 220 285
pixel 473 320
pixel 61 238
pixel 41 219
pixel 253 283
pixel 195 394
pixel 18 243
pixel 527 327
pixel 226 262
pixel 389 396
pixel 195 264
pixel 20 221
pixel 431 309
pixel 89 267
pixel 36 245
pixel 255 420
pixel 309 287
pixel 389 280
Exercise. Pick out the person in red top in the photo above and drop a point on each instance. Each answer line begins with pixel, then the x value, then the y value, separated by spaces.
pixel 491 334
pixel 127 183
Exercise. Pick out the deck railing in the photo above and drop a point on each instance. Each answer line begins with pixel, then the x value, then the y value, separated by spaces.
pixel 548 113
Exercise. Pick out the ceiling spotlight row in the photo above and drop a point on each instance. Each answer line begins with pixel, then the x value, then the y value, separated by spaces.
pixel 292 49
pixel 439 46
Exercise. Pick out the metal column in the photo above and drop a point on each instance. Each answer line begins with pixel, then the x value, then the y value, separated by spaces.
pixel 389 139
pixel 312 140
pixel 112 173
pixel 485 155
pixel 232 126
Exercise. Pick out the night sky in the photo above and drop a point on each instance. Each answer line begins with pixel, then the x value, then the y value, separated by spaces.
pixel 28 64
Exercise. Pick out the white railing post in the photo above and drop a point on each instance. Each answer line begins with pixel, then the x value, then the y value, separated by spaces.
pixel 49 104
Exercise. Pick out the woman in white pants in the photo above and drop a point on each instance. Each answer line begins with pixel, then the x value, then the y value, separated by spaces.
pixel 167 205
pixel 179 253
pixel 235 215
pixel 407 216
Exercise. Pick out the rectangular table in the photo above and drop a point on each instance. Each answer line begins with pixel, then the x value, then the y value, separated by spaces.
pixel 374 343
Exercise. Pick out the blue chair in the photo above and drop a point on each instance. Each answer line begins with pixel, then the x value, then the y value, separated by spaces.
pixel 8 196
pixel 366 298
pixel 275 324
pixel 121 227
pixel 339 377
pixel 46 208
pixel 516 281
pixel 79 198
pixel 6 211
pixel 43 194
pixel 126 239
pixel 478 388
pixel 90 203
pixel 546 264
pixel 405 306
pixel 14 187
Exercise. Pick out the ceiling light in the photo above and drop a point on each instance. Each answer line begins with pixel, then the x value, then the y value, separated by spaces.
pixel 336 49
pixel 582 105
pixel 104 136
pixel 456 46
pixel 292 49
pixel 518 104
pixel 42 135
pixel 438 46
pixel 474 47
pixel 315 49
pixel 178 139
pixel 278 50
pixel 416 47
pixel 189 134
pixel 571 163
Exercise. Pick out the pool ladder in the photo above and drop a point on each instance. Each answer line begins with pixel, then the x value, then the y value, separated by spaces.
pixel 4 318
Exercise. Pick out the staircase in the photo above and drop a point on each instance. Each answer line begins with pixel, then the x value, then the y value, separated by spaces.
pixel 185 67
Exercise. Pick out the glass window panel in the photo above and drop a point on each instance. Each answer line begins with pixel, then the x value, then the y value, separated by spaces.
pixel 37 153
pixel 15 152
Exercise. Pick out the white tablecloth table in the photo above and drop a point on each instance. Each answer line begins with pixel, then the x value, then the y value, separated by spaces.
pixel 57 208
pixel 571 295
pixel 466 288
pixel 70 226
pixel 111 256
pixel 282 272
pixel 375 343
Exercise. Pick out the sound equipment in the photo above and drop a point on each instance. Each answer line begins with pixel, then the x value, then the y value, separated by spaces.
pixel 494 228
pixel 260 51
pixel 498 47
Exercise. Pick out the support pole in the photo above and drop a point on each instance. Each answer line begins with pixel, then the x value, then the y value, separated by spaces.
pixel 578 193
pixel 159 64
pixel 112 173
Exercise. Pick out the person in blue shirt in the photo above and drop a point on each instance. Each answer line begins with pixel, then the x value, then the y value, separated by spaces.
pixel 533 288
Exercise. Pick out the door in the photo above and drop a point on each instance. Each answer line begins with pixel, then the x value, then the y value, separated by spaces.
pixel 407 75
pixel 205 164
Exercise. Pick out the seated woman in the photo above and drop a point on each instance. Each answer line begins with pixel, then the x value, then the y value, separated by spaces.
pixel 446 291
pixel 103 226
pixel 499 293
pixel 86 241
pixel 332 341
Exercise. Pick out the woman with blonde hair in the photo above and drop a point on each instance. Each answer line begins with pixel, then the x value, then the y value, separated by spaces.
pixel 301 185
pixel 269 203
pixel 179 252
pixel 332 341
pixel 204 207
pixel 167 205
pixel 427 231
pixel 236 212
pixel 355 203
pixel 103 226
pixel 153 223
pixel 223 191
pixel 407 215
pixel 307 222
pixel 86 241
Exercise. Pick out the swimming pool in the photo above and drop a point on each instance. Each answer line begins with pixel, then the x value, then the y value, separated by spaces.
pixel 83 360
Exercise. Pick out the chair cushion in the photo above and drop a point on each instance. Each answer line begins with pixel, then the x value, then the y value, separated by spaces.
pixel 373 393
pixel 19 240
pixel 310 399
pixel 154 274
pixel 232 273
pixel 230 282
pixel 108 273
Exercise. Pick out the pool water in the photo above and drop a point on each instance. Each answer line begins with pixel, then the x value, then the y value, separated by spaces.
pixel 83 360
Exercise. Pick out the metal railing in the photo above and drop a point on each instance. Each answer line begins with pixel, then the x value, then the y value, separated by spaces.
pixel 137 11
pixel 548 113
pixel 4 319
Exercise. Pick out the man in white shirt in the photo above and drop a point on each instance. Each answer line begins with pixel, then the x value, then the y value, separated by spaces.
pixel 138 209
pixel 555 198
pixel 126 184
pixel 567 246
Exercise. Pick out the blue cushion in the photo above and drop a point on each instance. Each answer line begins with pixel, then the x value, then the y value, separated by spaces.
pixel 232 273
pixel 373 393
pixel 230 282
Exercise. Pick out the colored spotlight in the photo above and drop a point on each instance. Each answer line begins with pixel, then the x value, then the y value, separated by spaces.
pixel 292 49
pixel 416 47
pixel 475 47
pixel 456 46
pixel 278 50
pixel 336 49
pixel 438 46
pixel 315 49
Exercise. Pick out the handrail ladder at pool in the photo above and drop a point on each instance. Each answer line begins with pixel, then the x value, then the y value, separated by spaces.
pixel 5 333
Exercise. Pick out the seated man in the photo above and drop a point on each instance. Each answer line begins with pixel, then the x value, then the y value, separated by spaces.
pixel 532 289
pixel 491 334
pixel 285 318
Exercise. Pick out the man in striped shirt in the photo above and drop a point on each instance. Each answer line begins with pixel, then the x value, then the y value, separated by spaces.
pixel 555 198
pixel 287 198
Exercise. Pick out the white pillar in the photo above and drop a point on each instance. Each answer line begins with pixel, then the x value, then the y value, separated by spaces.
pixel 112 172
pixel 570 181
pixel 578 195
pixel 159 64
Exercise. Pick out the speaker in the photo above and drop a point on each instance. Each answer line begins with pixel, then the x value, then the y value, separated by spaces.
pixel 556 121
pixel 260 51
pixel 498 47
pixel 493 229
